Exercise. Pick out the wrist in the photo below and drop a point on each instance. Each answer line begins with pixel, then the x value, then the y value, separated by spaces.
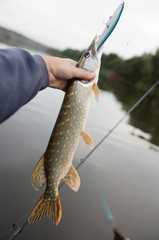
pixel 44 71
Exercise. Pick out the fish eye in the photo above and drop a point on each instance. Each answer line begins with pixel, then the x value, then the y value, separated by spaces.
pixel 86 54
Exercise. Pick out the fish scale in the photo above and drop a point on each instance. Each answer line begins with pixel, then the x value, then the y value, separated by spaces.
pixel 70 129
pixel 38 179
pixel 56 163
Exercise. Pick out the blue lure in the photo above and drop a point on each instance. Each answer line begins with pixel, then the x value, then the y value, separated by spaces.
pixel 110 25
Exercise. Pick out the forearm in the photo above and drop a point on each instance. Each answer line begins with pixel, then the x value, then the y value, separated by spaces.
pixel 21 77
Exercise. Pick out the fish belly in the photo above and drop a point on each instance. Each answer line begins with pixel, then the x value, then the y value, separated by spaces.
pixel 66 133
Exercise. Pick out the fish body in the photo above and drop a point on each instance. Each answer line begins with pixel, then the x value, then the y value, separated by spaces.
pixel 56 163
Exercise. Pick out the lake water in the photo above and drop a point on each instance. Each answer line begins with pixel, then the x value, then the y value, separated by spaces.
pixel 124 169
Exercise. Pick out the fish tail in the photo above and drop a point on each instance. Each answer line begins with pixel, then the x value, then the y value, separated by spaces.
pixel 44 207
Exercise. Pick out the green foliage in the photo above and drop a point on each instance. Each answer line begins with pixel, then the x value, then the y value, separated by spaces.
pixel 127 79
pixel 155 65
pixel 140 71
pixel 110 61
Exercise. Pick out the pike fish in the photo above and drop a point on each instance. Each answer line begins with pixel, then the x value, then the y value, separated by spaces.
pixel 56 163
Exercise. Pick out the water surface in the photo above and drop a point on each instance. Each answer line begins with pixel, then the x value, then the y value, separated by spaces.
pixel 124 169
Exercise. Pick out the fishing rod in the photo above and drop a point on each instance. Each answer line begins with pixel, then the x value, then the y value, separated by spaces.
pixel 17 228
pixel 110 25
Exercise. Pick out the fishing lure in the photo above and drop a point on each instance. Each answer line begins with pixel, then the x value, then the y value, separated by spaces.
pixel 38 212
pixel 110 25
pixel 56 163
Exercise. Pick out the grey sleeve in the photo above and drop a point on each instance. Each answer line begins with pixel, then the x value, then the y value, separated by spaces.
pixel 21 77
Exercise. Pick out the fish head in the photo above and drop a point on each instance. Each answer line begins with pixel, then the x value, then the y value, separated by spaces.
pixel 91 58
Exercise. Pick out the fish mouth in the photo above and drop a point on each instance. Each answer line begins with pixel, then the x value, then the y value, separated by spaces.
pixel 93 50
pixel 93 47
pixel 98 41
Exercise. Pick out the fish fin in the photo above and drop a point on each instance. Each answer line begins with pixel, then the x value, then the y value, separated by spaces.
pixel 72 179
pixel 44 207
pixel 38 178
pixel 88 140
pixel 96 92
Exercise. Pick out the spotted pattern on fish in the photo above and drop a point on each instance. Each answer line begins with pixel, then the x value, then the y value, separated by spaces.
pixel 56 163
pixel 61 148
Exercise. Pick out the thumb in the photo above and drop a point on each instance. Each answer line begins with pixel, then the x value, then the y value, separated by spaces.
pixel 83 74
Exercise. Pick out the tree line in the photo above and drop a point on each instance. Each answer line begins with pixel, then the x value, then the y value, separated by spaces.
pixel 140 71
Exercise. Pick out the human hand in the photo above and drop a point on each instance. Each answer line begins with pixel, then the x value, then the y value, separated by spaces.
pixel 61 70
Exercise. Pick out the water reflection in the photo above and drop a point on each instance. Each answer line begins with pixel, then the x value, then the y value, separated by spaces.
pixel 146 116
pixel 124 169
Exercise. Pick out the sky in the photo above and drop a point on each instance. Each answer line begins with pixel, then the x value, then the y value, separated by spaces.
pixel 73 24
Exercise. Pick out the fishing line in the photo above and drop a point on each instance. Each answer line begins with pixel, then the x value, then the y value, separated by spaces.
pixel 19 228
pixel 129 36
pixel 132 25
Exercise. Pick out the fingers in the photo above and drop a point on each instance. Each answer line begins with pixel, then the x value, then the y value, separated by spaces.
pixel 82 74
pixel 74 63
pixel 62 70
pixel 59 84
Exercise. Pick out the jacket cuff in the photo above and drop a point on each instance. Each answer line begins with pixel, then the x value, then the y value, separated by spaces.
pixel 45 75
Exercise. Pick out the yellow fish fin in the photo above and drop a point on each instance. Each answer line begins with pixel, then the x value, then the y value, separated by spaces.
pixel 72 179
pixel 44 207
pixel 38 178
pixel 96 92
pixel 88 140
